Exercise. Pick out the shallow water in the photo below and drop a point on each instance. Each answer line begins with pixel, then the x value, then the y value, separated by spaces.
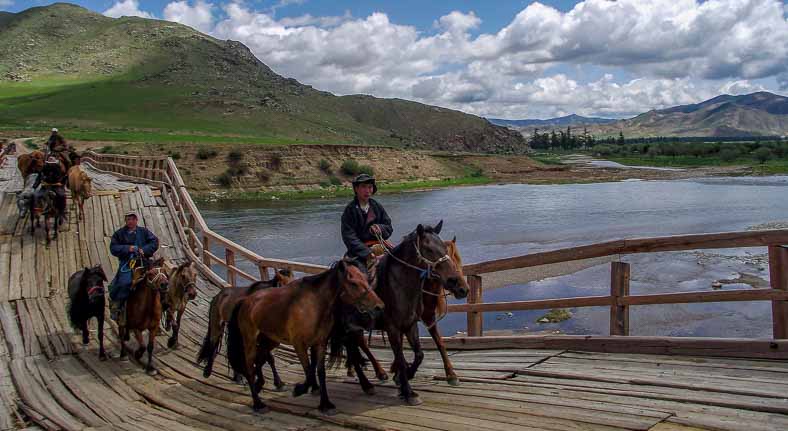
pixel 509 220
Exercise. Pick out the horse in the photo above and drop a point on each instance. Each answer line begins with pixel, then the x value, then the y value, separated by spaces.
pixel 80 184
pixel 182 289
pixel 434 305
pixel 420 257
pixel 219 313
pixel 300 314
pixel 30 163
pixel 86 300
pixel 46 203
pixel 143 310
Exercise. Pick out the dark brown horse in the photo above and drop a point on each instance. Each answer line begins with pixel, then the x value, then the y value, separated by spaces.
pixel 222 306
pixel 435 307
pixel 182 289
pixel 300 314
pixel 86 300
pixel 402 282
pixel 143 310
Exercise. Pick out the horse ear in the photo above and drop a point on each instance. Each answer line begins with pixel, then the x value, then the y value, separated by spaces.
pixel 420 230
pixel 438 228
pixel 454 240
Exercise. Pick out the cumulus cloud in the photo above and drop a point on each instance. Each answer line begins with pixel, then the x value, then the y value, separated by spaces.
pixel 199 16
pixel 123 8
pixel 682 50
pixel 6 3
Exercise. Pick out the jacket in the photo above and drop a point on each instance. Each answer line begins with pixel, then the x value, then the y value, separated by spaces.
pixel 355 227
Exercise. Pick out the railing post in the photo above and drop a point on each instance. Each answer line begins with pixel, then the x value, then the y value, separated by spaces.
pixel 264 276
pixel 619 287
pixel 229 259
pixel 206 247
pixel 475 318
pixel 778 277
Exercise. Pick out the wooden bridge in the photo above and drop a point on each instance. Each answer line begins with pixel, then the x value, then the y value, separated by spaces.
pixel 49 380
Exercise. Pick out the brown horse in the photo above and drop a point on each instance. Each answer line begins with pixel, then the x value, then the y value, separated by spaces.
pixel 81 186
pixel 300 314
pixel 220 311
pixel 31 163
pixel 435 307
pixel 182 289
pixel 143 310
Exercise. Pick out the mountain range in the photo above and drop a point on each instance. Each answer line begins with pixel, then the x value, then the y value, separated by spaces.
pixel 569 120
pixel 65 65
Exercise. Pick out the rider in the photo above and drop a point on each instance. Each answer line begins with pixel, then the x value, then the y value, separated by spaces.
pixel 133 245
pixel 51 177
pixel 363 221
pixel 57 146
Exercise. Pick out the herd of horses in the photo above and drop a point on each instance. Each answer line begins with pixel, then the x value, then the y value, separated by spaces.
pixel 45 202
pixel 324 317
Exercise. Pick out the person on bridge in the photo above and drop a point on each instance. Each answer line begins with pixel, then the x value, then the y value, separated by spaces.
pixel 365 225
pixel 58 147
pixel 133 246
pixel 51 177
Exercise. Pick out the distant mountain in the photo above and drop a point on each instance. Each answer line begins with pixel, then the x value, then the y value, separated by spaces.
pixel 66 65
pixel 569 120
pixel 756 114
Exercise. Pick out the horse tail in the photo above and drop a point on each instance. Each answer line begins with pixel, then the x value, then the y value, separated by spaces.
pixel 209 348
pixel 236 353
pixel 337 339
pixel 75 313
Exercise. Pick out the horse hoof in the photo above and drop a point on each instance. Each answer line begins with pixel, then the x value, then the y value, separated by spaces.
pixel 414 400
pixel 152 372
pixel 85 342
pixel 383 377
pixel 453 380
pixel 315 391
pixel 280 388
pixel 103 357
pixel 370 390
pixel 298 390
pixel 328 412
pixel 206 373
pixel 171 343
pixel 124 359
pixel 261 408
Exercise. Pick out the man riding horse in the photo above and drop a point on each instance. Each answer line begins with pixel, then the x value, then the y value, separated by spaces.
pixel 364 224
pixel 133 246
pixel 51 178
pixel 57 146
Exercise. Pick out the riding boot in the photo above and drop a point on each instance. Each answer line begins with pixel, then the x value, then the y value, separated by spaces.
pixel 372 267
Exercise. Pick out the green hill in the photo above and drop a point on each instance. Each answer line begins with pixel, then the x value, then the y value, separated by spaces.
pixel 140 79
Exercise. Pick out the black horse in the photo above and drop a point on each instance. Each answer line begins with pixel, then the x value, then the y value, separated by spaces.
pixel 401 276
pixel 86 300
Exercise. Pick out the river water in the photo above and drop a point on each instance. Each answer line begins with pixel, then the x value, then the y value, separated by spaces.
pixel 509 220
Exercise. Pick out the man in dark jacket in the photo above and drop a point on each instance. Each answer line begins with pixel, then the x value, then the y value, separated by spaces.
pixel 363 221
pixel 51 178
pixel 133 245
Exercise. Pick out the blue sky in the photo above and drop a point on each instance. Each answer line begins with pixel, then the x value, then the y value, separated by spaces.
pixel 512 59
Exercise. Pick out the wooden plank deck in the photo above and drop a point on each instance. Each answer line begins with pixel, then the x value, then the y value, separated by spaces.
pixel 49 380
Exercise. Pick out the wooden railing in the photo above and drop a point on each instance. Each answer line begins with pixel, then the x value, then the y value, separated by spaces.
pixel 202 241
pixel 192 229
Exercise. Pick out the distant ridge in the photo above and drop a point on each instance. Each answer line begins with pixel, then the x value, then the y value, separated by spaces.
pixel 569 120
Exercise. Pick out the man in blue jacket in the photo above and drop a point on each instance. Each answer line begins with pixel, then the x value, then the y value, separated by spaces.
pixel 133 245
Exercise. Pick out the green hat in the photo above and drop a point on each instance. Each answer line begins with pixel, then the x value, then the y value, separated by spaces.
pixel 366 179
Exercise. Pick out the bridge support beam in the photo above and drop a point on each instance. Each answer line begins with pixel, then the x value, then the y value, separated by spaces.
pixel 619 288
pixel 778 277
pixel 475 318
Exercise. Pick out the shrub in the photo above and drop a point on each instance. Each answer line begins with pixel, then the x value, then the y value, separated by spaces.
pixel 366 169
pixel 477 173
pixel 235 157
pixel 728 155
pixel 237 170
pixel 225 179
pixel 762 154
pixel 350 167
pixel 175 155
pixel 324 166
pixel 334 180
pixel 205 153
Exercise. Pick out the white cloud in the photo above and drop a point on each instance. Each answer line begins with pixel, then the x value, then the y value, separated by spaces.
pixel 6 3
pixel 682 50
pixel 125 8
pixel 199 16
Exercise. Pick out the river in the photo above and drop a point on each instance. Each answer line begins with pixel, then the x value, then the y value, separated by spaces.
pixel 508 220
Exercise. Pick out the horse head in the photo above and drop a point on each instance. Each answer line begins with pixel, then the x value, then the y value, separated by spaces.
pixel 354 289
pixel 155 275
pixel 434 253
pixel 93 280
pixel 188 279
pixel 283 277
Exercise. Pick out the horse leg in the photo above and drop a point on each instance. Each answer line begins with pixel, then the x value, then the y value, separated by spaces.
pixel 303 357
pixel 406 393
pixel 260 359
pixel 379 372
pixel 150 369
pixel 123 335
pixel 354 357
pixel 279 385
pixel 100 319
pixel 140 345
pixel 176 327
pixel 326 406
pixel 85 333
pixel 313 369
pixel 451 376
pixel 418 354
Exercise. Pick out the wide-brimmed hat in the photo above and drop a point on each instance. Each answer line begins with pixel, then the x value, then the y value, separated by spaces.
pixel 366 179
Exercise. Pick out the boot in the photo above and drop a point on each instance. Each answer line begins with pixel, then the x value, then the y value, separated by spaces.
pixel 117 312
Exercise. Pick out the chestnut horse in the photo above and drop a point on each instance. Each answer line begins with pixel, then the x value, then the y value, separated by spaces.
pixel 300 314
pixel 182 289
pixel 31 163
pixel 81 186
pixel 222 306
pixel 143 310
pixel 435 307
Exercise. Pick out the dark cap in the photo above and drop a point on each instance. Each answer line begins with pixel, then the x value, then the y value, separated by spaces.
pixel 366 179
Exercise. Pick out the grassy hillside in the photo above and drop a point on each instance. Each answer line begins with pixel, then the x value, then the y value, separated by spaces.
pixel 150 80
